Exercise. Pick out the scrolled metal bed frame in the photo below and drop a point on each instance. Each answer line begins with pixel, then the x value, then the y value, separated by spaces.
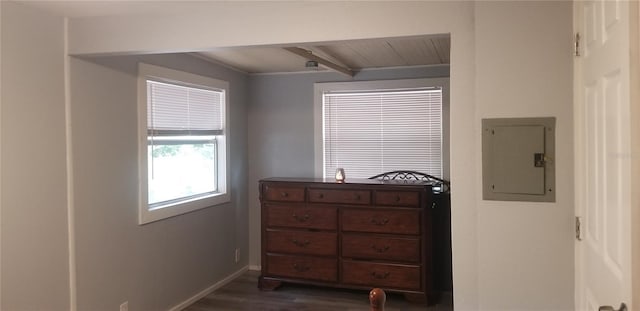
pixel 439 185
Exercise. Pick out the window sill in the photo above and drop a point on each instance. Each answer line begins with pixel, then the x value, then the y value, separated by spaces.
pixel 147 215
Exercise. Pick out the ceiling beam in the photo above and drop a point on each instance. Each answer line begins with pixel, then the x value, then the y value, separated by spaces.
pixel 309 55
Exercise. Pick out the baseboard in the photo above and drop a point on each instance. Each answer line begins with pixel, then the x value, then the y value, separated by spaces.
pixel 209 289
pixel 255 267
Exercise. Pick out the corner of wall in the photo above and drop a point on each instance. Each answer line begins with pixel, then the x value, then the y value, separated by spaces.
pixel 635 182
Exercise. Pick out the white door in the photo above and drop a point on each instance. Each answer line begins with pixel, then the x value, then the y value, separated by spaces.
pixel 603 155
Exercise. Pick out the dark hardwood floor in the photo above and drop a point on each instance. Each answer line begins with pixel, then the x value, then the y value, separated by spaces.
pixel 243 294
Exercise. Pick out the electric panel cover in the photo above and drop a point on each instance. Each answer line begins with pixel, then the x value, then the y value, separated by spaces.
pixel 517 156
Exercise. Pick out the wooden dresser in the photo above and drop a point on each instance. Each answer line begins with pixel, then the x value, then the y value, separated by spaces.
pixel 358 234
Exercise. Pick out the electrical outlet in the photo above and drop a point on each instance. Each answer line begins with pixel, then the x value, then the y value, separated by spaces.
pixel 124 306
pixel 237 255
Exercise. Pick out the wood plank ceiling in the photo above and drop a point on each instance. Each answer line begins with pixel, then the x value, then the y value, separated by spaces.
pixel 352 55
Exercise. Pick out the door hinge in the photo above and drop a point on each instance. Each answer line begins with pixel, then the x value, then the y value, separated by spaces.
pixel 578 228
pixel 577 45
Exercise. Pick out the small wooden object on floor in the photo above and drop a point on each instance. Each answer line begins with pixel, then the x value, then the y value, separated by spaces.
pixel 377 298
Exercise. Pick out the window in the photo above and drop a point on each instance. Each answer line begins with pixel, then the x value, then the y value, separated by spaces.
pixel 376 127
pixel 182 142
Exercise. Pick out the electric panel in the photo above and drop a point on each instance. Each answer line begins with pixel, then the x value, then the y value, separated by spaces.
pixel 517 159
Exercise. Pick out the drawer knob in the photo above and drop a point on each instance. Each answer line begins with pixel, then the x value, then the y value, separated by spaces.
pixel 284 194
pixel 378 222
pixel 357 197
pixel 380 249
pixel 379 276
pixel 321 195
pixel 301 268
pixel 397 198
pixel 302 218
pixel 300 243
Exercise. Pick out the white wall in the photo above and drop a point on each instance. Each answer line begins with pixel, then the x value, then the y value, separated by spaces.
pixel 524 69
pixel 35 273
pixel 157 265
pixel 634 41
pixel 237 23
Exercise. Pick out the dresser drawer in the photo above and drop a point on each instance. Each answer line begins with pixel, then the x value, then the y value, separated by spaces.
pixel 385 248
pixel 400 221
pixel 310 268
pixel 339 196
pixel 302 242
pixel 283 193
pixel 397 198
pixel 300 216
pixel 381 275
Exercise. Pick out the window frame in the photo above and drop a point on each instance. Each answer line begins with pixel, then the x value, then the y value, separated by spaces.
pixel 146 213
pixel 321 88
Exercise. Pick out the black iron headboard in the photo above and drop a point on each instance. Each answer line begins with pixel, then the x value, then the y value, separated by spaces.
pixel 439 185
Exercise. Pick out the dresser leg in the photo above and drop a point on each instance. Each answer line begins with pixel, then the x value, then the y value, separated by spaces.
pixel 267 284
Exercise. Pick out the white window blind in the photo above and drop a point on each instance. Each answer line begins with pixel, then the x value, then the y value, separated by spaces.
pixel 183 123
pixel 175 109
pixel 372 132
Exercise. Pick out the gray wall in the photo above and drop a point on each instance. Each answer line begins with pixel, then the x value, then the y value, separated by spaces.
pixel 157 265
pixel 34 245
pixel 281 128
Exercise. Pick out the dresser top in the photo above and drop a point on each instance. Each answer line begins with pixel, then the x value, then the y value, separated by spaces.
pixel 348 181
